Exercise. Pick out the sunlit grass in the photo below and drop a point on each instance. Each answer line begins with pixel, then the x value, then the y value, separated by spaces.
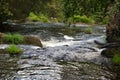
pixel 13 38
pixel 88 30
pixel 13 49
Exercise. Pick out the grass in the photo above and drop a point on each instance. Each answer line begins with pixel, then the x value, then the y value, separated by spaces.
pixel 82 19
pixel 38 17
pixel 13 38
pixel 116 59
pixel 13 49
pixel 88 30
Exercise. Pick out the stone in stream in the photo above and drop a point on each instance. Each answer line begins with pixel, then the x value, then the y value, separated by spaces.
pixel 30 40
pixel 33 40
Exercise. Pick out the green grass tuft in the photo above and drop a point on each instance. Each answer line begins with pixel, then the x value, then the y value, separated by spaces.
pixel 88 30
pixel 13 38
pixel 13 49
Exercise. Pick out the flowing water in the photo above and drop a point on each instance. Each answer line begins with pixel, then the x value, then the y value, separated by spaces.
pixel 68 54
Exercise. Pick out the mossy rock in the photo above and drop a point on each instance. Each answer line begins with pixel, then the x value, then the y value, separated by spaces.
pixel 33 41
pixel 30 40
pixel 110 52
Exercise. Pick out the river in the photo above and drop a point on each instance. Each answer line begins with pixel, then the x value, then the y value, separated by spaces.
pixel 67 54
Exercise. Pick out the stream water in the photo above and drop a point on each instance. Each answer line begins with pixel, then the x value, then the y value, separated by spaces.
pixel 67 54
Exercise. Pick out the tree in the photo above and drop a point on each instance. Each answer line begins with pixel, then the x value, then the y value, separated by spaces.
pixel 19 9
pixel 85 7
pixel 113 27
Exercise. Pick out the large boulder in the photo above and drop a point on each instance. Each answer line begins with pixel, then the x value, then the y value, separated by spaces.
pixel 32 40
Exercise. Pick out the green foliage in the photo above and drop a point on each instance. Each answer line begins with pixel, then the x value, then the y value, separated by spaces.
pixel 105 20
pixel 33 17
pixel 13 38
pixel 83 19
pixel 13 49
pixel 88 30
pixel 86 7
pixel 43 18
pixel 40 17
pixel 5 13
pixel 116 59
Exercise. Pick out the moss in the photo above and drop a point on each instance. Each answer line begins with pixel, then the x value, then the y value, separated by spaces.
pixel 116 59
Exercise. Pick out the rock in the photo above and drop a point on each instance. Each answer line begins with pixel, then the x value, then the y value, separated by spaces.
pixel 32 40
pixel 110 52
pixel 107 45
pixel 99 43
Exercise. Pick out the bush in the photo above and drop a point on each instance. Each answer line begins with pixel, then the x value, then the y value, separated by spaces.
pixel 88 30
pixel 13 49
pixel 13 38
pixel 116 59
pixel 83 19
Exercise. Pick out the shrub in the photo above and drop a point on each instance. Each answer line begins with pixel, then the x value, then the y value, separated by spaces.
pixel 116 59
pixel 88 30
pixel 13 49
pixel 13 38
